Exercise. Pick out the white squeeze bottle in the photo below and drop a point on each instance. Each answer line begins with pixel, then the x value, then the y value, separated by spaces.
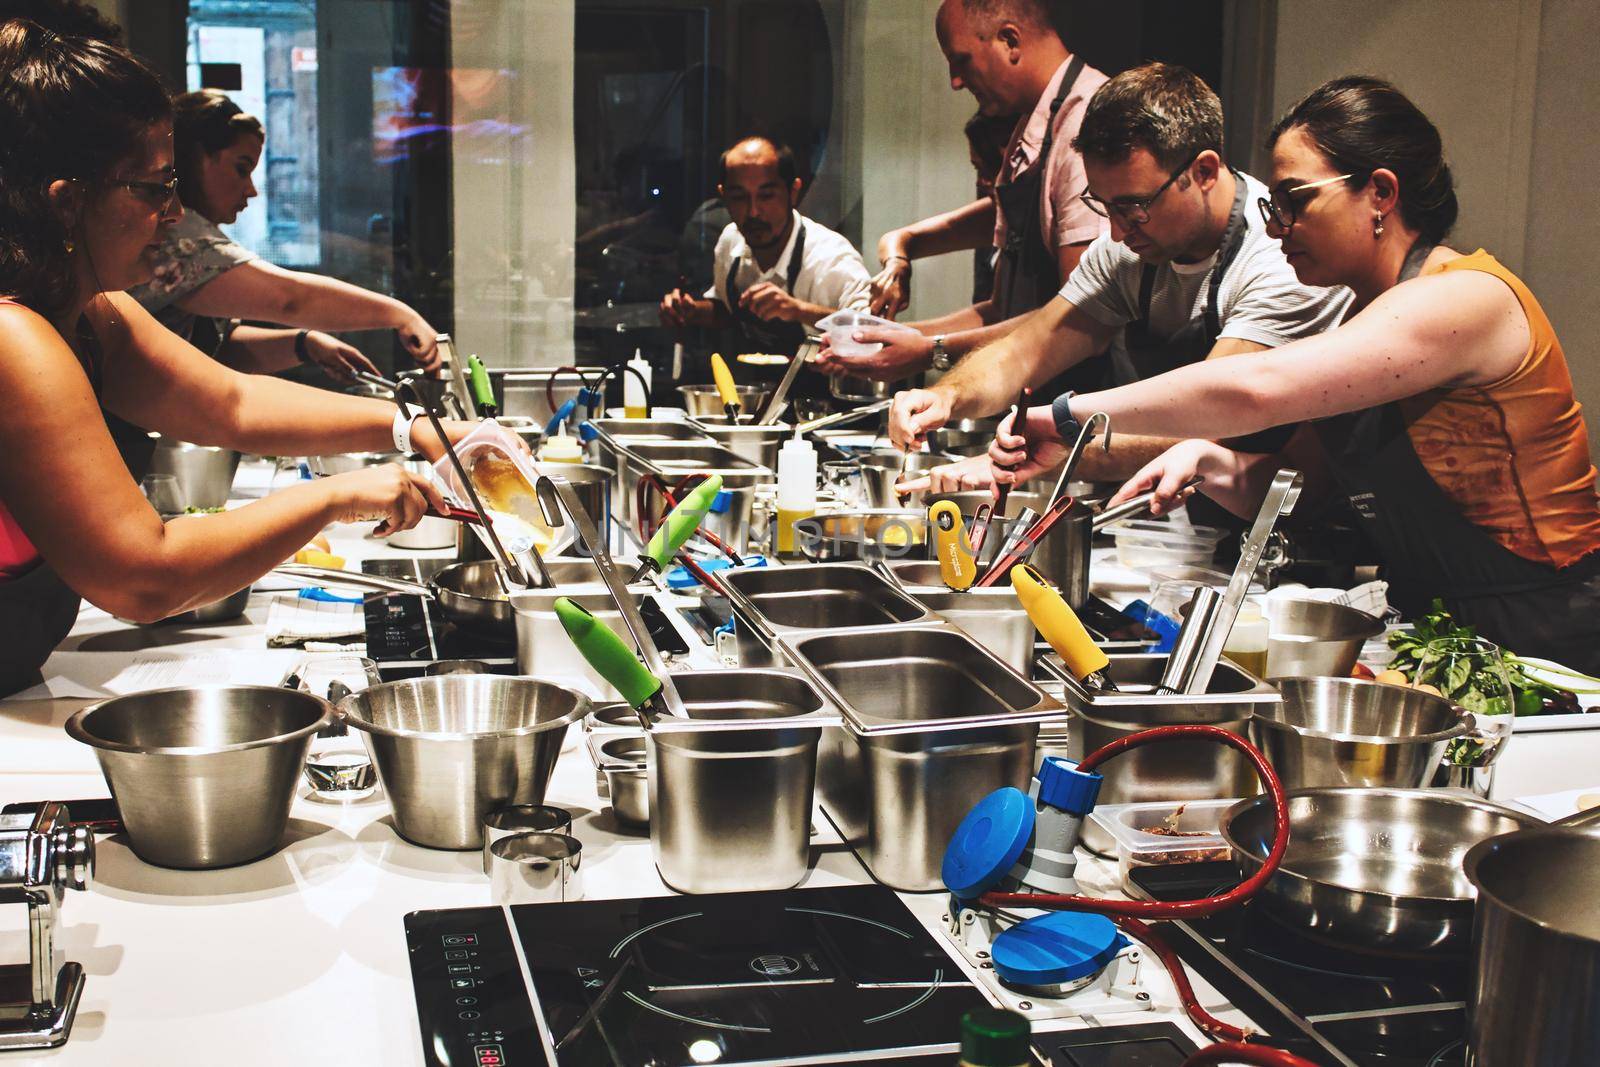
pixel 636 393
pixel 1247 642
pixel 562 448
pixel 797 489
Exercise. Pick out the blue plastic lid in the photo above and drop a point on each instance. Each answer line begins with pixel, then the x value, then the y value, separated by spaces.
pixel 721 502
pixel 587 433
pixel 680 578
pixel 988 843
pixel 1064 787
pixel 1058 947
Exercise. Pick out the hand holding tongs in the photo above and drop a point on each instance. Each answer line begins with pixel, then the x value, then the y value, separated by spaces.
pixel 986 513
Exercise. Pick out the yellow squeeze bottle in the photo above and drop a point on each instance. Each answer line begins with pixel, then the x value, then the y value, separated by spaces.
pixel 797 490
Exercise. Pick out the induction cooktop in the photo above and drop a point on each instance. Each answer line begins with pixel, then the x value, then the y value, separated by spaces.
pixel 827 975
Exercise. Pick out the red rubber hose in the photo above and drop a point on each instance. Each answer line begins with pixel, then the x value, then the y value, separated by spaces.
pixel 1209 1024
pixel 1172 909
pixel 1237 1052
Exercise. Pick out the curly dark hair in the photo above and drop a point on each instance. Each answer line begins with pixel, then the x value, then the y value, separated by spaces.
pixel 1362 124
pixel 205 122
pixel 70 107
pixel 69 18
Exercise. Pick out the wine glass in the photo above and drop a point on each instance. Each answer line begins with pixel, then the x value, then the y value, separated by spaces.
pixel 1471 672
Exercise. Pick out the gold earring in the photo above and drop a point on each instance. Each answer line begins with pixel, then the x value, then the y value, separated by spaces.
pixel 69 246
pixel 1377 226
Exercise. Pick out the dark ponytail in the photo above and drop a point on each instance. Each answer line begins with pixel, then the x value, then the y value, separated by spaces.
pixel 1362 124
pixel 70 107
pixel 204 123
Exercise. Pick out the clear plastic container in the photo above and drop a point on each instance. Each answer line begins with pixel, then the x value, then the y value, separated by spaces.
pixel 841 324
pixel 1144 544
pixel 525 526
pixel 1125 824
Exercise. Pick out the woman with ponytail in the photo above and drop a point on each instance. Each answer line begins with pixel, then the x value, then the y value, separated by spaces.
pixel 87 189
pixel 1443 403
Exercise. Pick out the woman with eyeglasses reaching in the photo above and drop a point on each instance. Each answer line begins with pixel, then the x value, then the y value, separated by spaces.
pixel 84 130
pixel 200 273
pixel 1443 403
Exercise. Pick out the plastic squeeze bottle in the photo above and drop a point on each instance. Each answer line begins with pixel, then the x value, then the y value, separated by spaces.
pixel 1247 641
pixel 636 393
pixel 797 490
pixel 562 448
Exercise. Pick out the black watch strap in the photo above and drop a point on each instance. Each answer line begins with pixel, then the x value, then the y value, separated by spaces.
pixel 300 351
pixel 1068 427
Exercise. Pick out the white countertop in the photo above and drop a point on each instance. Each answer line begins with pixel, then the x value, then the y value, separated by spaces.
pixel 301 957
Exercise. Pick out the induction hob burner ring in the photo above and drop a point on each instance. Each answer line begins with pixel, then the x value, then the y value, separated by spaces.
pixel 855 918
pixel 643 1003
pixel 926 995
pixel 620 945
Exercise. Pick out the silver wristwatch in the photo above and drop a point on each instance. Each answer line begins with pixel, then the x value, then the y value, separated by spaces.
pixel 941 357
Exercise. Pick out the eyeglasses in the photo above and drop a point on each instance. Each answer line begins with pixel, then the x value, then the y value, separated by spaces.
pixel 1134 210
pixel 156 194
pixel 1280 211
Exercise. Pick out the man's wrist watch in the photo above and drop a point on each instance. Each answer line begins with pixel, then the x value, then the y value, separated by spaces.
pixel 1061 411
pixel 941 357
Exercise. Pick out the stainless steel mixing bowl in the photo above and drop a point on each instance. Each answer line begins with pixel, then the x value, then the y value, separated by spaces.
pixel 204 472
pixel 1311 638
pixel 1344 731
pixel 451 749
pixel 203 777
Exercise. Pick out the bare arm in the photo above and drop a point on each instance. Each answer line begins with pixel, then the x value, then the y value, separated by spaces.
pixel 262 350
pixel 260 290
pixel 969 227
pixel 69 491
pixel 1462 328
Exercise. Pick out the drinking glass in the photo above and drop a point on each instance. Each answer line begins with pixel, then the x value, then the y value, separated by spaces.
pixel 338 767
pixel 845 480
pixel 164 494
pixel 1471 672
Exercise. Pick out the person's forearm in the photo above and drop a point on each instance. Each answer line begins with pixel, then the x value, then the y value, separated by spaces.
pixel 1129 454
pixel 968 227
pixel 807 313
pixel 315 302
pixel 1211 400
pixel 268 416
pixel 968 318
pixel 203 558
pixel 258 350
pixel 967 341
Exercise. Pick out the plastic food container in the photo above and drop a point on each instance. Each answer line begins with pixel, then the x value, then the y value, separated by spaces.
pixel 1144 544
pixel 1135 848
pixel 841 324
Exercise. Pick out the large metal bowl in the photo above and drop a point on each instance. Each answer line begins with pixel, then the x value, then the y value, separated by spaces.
pixel 1311 638
pixel 451 749
pixel 1378 870
pixel 1345 731
pixel 203 777
pixel 701 400
pixel 204 472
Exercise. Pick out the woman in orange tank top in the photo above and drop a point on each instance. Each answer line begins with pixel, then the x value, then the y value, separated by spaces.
pixel 1444 403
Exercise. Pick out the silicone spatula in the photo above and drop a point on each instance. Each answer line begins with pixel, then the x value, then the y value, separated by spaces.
pixel 1060 626
pixel 482 391
pixel 609 655
pixel 679 525
pixel 956 565
pixel 723 377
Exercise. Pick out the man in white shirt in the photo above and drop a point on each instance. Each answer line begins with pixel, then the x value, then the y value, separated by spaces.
pixel 775 271
pixel 1188 272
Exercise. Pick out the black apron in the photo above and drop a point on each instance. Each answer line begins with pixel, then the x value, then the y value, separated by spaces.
pixel 758 334
pixel 1430 550
pixel 1027 272
pixel 37 609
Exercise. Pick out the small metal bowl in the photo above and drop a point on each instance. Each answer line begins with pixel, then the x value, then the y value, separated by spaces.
pixel 622 761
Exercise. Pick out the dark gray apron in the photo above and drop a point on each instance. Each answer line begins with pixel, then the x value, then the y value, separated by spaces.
pixel 1431 550
pixel 37 609
pixel 758 334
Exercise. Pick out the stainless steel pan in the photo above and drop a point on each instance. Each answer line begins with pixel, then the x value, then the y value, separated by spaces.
pixel 1379 870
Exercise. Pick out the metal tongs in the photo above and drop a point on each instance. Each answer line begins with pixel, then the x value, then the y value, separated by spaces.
pixel 775 405
pixel 841 417
pixel 512 569
pixel 1021 544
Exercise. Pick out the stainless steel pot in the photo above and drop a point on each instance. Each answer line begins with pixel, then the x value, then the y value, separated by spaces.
pixel 730 810
pixel 758 444
pixel 1344 731
pixel 1062 556
pixel 933 723
pixel 964 437
pixel 624 763
pixel 881 470
pixel 203 777
pixel 545 651
pixel 993 617
pixel 1375 869
pixel 1175 771
pixel 450 750
pixel 1536 949
pixel 1310 638
pixel 528 392
pixel 204 472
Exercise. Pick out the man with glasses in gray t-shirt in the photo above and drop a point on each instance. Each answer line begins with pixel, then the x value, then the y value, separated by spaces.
pixel 1187 273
